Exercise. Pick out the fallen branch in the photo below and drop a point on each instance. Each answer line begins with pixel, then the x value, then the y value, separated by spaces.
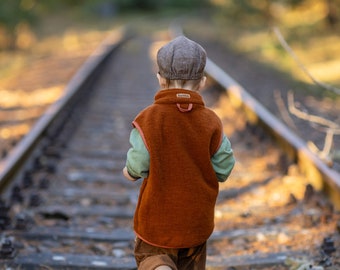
pixel 311 118
pixel 283 111
pixel 327 126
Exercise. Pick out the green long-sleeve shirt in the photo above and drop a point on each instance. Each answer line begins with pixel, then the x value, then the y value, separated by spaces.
pixel 138 158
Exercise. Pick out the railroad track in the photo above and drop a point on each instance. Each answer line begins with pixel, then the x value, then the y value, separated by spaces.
pixel 65 204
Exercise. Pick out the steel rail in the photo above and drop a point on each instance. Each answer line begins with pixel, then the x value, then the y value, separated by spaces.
pixel 321 176
pixel 12 166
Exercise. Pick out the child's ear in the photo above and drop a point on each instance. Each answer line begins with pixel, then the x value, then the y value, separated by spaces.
pixel 202 82
pixel 161 81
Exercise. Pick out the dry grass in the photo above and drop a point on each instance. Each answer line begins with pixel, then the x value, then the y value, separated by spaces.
pixel 33 77
pixel 315 43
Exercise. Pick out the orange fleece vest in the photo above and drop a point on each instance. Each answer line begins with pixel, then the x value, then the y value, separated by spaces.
pixel 176 202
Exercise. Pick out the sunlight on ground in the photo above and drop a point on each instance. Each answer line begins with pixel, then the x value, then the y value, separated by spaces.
pixel 22 98
pixel 21 108
pixel 72 44
pixel 326 71
pixel 304 29
pixel 14 131
pixel 320 57
pixel 47 67
pixel 304 14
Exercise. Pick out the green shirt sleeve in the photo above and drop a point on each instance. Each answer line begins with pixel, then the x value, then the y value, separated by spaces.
pixel 138 158
pixel 223 160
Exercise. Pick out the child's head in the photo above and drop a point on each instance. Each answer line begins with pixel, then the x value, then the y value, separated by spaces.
pixel 181 63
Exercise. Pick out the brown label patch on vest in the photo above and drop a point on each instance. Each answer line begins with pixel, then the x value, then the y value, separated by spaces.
pixel 183 95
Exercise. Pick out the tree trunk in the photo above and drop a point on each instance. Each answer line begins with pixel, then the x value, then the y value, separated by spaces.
pixel 332 15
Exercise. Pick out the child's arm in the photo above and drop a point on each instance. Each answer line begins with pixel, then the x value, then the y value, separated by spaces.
pixel 223 160
pixel 138 158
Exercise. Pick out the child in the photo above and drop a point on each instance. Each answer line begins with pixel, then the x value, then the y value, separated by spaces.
pixel 179 148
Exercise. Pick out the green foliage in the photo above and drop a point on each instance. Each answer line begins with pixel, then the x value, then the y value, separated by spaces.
pixel 148 5
pixel 13 12
pixel 16 12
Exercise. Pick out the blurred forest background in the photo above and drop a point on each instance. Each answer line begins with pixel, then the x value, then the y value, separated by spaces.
pixel 310 27
pixel 43 43
pixel 18 16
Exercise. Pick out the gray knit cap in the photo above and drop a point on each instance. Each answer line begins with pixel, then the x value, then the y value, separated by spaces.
pixel 181 59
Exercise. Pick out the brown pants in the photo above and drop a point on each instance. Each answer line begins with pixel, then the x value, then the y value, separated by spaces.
pixel 149 257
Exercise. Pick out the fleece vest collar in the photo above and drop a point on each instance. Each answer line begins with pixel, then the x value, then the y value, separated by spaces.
pixel 184 99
